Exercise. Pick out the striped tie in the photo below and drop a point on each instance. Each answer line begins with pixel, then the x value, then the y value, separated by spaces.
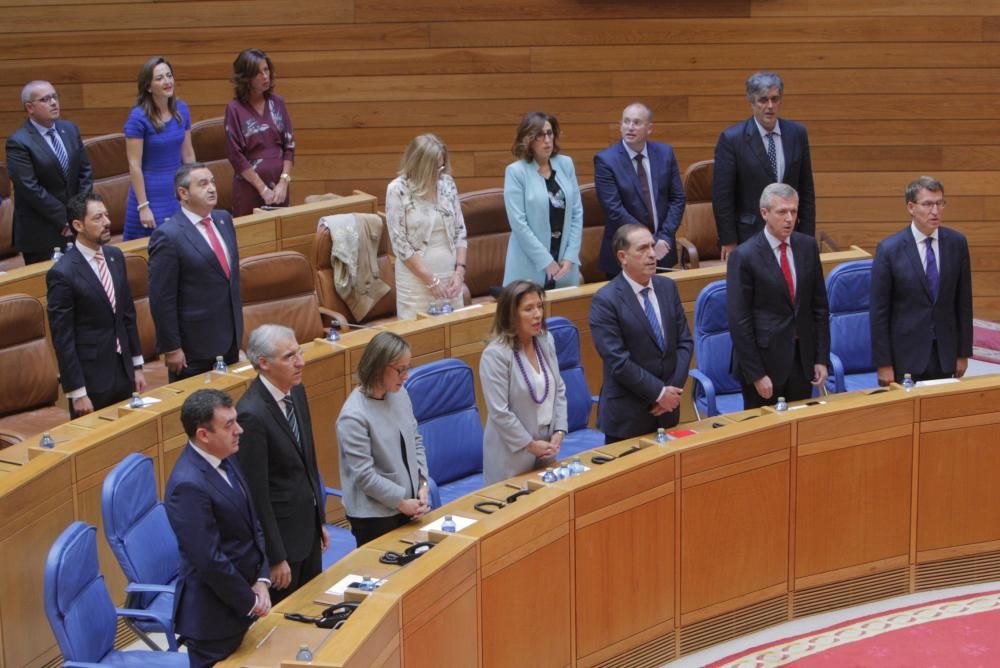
pixel 654 322
pixel 60 151
pixel 772 155
pixel 293 421
pixel 109 287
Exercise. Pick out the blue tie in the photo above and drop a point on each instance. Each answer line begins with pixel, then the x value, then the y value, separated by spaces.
pixel 933 278
pixel 647 305
pixel 60 152
pixel 772 155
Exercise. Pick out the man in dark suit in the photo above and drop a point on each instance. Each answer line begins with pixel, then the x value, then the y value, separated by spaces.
pixel 921 294
pixel 279 460
pixel 223 582
pixel 92 316
pixel 642 336
pixel 194 279
pixel 777 307
pixel 754 153
pixel 47 165
pixel 638 183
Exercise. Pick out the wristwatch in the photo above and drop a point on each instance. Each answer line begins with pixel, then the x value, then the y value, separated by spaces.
pixel 286 177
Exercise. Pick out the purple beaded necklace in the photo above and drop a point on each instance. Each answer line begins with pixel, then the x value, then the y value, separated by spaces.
pixel 524 374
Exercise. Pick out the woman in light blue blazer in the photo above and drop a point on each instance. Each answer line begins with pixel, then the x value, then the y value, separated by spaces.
pixel 543 207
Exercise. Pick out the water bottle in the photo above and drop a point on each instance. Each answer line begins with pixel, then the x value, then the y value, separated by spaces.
pixel 367 584
pixel 907 382
pixel 136 401
pixel 220 365
pixel 434 308
pixel 549 475
pixel 447 308
pixel 69 246
pixel 576 466
pixel 562 471
pixel 304 654
pixel 56 253
pixel 333 336
pixel 781 406
pixel 449 524
pixel 661 435
pixel 47 441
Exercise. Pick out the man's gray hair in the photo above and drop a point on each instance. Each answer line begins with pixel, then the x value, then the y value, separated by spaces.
pixel 30 86
pixel 923 183
pixel 782 190
pixel 760 82
pixel 264 342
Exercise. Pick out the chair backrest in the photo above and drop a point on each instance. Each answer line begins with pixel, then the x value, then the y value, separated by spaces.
pixel 488 231
pixel 111 180
pixel 713 344
pixel 278 287
pixel 444 402
pixel 28 375
pixel 698 223
pixel 324 281
pixel 137 268
pixel 208 138
pixel 848 289
pixel 578 401
pixel 593 233
pixel 136 525
pixel 77 602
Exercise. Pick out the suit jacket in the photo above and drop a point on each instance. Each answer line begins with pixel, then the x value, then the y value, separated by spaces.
pixel 284 480
pixel 84 328
pixel 742 171
pixel 512 415
pixel 41 189
pixel 620 195
pixel 221 547
pixel 762 318
pixel 635 369
pixel 527 202
pixel 904 319
pixel 194 305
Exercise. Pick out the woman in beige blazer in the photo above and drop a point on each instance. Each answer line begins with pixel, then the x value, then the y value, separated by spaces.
pixel 525 395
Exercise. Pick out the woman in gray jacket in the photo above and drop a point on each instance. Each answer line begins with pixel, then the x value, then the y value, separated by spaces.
pixel 383 468
pixel 525 395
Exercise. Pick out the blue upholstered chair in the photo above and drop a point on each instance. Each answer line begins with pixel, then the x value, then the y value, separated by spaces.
pixel 80 611
pixel 716 390
pixel 341 540
pixel 141 538
pixel 578 397
pixel 848 288
pixel 443 394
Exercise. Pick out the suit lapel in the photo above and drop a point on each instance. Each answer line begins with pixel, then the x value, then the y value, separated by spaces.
pixel 626 294
pixel 627 167
pixel 752 137
pixel 910 249
pixel 228 234
pixel 799 250
pixel 44 148
pixel 772 267
pixel 236 497
pixel 277 414
pixel 86 272
pixel 198 242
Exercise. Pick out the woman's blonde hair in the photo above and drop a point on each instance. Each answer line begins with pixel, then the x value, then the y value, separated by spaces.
pixel 420 163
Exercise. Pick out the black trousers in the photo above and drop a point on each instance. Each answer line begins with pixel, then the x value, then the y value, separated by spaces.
pixel 206 653
pixel 302 571
pixel 932 372
pixel 367 529
pixel 34 258
pixel 121 389
pixel 795 388
pixel 198 367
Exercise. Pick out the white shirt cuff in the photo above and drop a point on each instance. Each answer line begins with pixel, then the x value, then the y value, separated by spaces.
pixel 138 360
pixel 78 393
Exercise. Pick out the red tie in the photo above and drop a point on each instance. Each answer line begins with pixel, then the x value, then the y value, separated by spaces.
pixel 109 288
pixel 787 270
pixel 213 240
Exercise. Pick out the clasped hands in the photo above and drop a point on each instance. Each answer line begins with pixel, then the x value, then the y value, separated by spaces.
pixel 546 449
pixel 556 270
pixel 670 399
pixel 415 508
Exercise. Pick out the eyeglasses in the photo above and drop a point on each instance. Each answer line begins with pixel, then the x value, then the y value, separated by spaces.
pixel 929 206
pixel 545 134
pixel 402 371
pixel 51 97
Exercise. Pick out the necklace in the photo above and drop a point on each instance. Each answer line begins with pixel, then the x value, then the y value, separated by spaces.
pixel 524 374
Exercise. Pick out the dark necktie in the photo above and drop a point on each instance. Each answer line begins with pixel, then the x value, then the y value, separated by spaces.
pixel 60 151
pixel 213 241
pixel 933 278
pixel 293 421
pixel 647 306
pixel 234 481
pixel 786 269
pixel 772 155
pixel 647 198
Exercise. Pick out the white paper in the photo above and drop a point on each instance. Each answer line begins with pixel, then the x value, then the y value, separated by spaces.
pixel 541 474
pixel 242 368
pixel 936 381
pixel 467 308
pixel 146 401
pixel 460 523
pixel 795 408
pixel 341 586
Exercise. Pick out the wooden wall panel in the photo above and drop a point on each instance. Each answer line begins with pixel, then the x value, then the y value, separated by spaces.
pixel 362 77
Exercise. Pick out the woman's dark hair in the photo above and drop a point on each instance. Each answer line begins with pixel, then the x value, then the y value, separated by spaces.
pixel 144 100
pixel 245 68
pixel 532 124
pixel 505 321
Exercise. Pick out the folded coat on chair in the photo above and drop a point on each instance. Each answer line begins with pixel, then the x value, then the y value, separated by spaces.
pixel 355 240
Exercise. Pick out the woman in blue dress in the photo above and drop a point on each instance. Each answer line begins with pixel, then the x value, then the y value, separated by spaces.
pixel 157 140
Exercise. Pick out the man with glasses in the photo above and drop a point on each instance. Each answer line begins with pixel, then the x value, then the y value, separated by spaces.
pixel 755 153
pixel 48 165
pixel 921 294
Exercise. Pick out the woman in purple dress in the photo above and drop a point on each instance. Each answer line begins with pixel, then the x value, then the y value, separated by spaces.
pixel 260 144
pixel 157 140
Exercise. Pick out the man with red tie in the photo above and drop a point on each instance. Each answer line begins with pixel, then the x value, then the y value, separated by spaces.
pixel 777 306
pixel 194 279
pixel 91 314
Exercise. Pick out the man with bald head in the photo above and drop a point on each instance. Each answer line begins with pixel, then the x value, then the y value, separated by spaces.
pixel 48 165
pixel 638 183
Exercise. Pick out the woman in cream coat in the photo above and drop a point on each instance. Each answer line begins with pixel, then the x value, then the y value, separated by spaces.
pixel 544 208
pixel 525 395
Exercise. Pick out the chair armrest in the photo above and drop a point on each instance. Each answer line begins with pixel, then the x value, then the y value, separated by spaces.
pixel 139 588
pixel 166 623
pixel 82 664
pixel 595 399
pixel 827 240
pixel 329 316
pixel 688 253
pixel 708 387
pixel 332 491
pixel 839 382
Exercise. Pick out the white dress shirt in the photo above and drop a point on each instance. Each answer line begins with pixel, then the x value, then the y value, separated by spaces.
pixel 778 148
pixel 775 245
pixel 919 237
pixel 196 221
pixel 637 289
pixel 649 176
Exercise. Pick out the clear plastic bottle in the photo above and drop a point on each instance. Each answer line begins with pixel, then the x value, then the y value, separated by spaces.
pixel 333 336
pixel 56 253
pixel 447 308
pixel 549 475
pixel 135 401
pixel 47 441
pixel 781 406
pixel 449 525
pixel 661 435
pixel 367 583
pixel 576 466
pixel 908 383
pixel 434 308
pixel 304 654
pixel 220 365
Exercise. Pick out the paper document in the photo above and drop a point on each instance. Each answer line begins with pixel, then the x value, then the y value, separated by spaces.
pixel 460 523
